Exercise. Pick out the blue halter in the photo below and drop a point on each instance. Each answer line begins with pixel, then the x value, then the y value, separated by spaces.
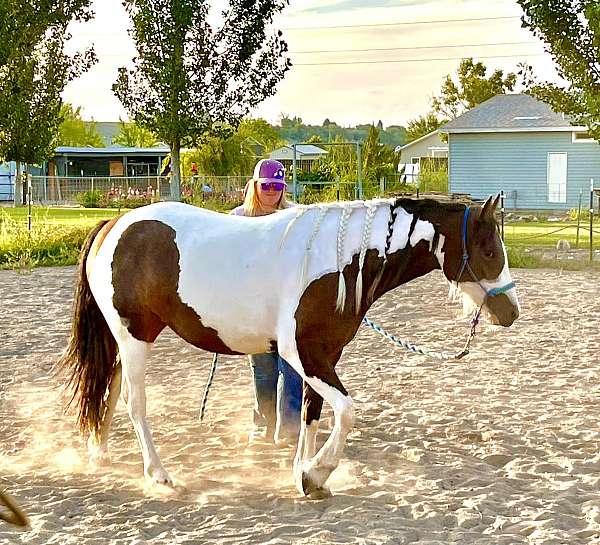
pixel 465 263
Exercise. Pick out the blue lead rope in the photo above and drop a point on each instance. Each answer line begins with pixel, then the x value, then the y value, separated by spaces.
pixel 441 356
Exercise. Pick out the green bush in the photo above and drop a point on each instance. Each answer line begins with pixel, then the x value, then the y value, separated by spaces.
pixel 132 202
pixel 585 214
pixel 89 199
pixel 436 180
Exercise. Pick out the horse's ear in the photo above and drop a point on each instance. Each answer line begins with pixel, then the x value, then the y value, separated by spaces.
pixel 487 211
pixel 496 202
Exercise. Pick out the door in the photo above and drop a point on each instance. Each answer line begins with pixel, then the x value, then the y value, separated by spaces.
pixel 557 177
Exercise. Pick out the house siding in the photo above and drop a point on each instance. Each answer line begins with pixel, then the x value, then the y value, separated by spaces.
pixel 421 149
pixel 482 164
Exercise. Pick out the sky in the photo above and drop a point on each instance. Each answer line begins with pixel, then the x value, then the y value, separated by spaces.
pixel 411 46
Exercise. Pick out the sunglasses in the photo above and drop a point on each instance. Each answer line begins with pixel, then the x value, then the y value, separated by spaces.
pixel 272 186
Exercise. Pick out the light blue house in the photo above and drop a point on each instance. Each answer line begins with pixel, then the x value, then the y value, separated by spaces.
pixel 7 181
pixel 520 145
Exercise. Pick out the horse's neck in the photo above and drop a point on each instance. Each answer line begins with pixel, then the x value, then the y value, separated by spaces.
pixel 402 267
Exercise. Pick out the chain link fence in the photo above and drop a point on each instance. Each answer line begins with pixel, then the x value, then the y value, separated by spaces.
pixel 72 190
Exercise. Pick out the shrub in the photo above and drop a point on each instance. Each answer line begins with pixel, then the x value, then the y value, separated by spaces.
pixel 585 214
pixel 89 199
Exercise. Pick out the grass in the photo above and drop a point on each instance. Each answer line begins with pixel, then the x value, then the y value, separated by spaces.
pixel 62 216
pixel 547 234
pixel 55 238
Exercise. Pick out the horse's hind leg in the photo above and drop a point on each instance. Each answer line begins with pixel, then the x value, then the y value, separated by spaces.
pixel 134 354
pixel 98 444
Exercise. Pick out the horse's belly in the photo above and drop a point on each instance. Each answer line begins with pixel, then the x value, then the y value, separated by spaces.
pixel 242 328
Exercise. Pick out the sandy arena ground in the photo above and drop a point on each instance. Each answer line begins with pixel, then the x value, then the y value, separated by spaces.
pixel 502 447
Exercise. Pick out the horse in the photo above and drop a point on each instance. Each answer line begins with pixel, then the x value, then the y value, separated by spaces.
pixel 298 282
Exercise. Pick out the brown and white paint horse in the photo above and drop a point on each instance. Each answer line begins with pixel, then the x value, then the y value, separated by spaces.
pixel 291 281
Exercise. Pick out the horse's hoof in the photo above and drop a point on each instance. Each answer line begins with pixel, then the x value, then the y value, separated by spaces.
pixel 313 491
pixel 98 456
pixel 160 477
pixel 100 459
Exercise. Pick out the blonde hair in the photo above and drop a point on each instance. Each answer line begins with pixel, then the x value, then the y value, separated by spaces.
pixel 252 204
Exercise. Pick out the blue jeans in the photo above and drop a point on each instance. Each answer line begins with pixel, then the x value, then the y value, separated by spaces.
pixel 277 395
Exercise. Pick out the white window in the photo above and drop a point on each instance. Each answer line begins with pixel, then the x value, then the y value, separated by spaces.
pixel 557 177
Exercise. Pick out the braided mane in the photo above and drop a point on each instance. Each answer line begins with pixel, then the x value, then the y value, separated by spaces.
pixel 346 209
pixel 421 209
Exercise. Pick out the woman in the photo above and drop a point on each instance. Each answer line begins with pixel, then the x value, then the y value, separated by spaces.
pixel 277 387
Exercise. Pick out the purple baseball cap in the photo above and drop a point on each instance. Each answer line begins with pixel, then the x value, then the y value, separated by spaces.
pixel 269 170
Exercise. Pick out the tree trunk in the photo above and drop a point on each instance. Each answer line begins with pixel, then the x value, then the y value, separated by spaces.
pixel 175 171
pixel 18 189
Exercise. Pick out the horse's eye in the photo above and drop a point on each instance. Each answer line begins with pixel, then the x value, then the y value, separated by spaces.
pixel 489 254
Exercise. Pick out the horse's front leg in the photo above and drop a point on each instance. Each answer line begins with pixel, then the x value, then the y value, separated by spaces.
pixel 311 471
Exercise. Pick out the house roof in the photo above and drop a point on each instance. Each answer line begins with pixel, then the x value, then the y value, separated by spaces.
pixel 113 150
pixel 286 152
pixel 108 130
pixel 434 136
pixel 510 113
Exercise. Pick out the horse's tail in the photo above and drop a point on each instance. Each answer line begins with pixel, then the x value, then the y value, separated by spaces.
pixel 90 359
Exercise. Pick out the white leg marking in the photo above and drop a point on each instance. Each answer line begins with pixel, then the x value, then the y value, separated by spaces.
pixel 307 442
pixel 310 444
pixel 312 473
pixel 134 354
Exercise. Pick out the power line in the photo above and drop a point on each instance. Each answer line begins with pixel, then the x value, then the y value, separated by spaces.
pixel 403 23
pixel 409 48
pixel 420 60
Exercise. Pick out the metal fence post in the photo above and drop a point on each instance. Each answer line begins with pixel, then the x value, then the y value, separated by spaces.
pixel 294 177
pixel 591 220
pixel 578 218
pixel 502 212
pixel 28 201
pixel 359 165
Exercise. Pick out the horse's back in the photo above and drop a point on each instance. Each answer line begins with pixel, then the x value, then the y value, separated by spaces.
pixel 179 265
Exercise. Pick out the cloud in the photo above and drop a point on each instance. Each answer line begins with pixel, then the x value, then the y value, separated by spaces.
pixel 337 6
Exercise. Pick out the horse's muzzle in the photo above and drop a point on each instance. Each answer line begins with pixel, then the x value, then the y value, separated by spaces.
pixel 501 310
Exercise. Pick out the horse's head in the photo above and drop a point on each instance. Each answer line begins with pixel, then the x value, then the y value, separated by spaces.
pixel 475 260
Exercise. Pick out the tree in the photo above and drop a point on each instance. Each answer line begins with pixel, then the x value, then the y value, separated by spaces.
pixel 73 131
pixel 261 132
pixel 378 159
pixel 231 156
pixel 24 23
pixel 190 81
pixel 422 125
pixel 571 31
pixel 472 88
pixel 31 83
pixel 131 135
